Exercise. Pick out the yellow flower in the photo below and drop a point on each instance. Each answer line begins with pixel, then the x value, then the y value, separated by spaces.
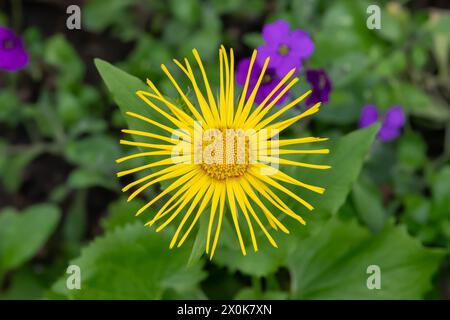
pixel 221 154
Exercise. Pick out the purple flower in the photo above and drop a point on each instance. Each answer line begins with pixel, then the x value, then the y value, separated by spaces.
pixel 285 48
pixel 268 83
pixel 393 121
pixel 369 115
pixel 320 85
pixel 12 51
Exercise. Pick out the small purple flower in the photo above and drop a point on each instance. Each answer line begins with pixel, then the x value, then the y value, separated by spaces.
pixel 393 121
pixel 285 48
pixel 12 51
pixel 320 85
pixel 369 115
pixel 268 83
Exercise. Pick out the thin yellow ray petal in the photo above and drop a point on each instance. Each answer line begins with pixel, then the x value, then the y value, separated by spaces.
pixel 277 114
pixel 280 126
pixel 214 203
pixel 287 142
pixel 280 175
pixel 150 135
pixel 261 187
pixel 146 145
pixel 275 184
pixel 226 105
pixel 152 175
pixel 239 121
pixel 144 154
pixel 205 108
pixel 164 177
pixel 173 186
pixel 270 95
pixel 183 96
pixel 252 123
pixel 249 191
pixel 182 116
pixel 288 151
pixel 181 203
pixel 222 99
pixel 240 200
pixel 211 99
pixel 293 163
pixel 178 133
pixel 258 221
pixel 164 162
pixel 180 124
pixel 222 191
pixel 231 90
pixel 201 193
pixel 232 206
pixel 163 210
pixel 195 193
pixel 246 85
pixel 154 88
pixel 202 207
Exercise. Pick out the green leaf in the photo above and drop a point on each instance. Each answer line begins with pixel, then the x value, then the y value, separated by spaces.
pixel 346 159
pixel 333 264
pixel 121 212
pixel 123 87
pixel 13 166
pixel 368 204
pixel 96 153
pixel 412 151
pixel 84 178
pixel 132 262
pixel 23 234
pixel 441 191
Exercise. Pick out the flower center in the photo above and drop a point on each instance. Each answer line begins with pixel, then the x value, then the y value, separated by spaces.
pixel 266 79
pixel 283 50
pixel 225 154
pixel 8 44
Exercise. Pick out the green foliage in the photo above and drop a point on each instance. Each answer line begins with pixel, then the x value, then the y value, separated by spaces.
pixel 59 132
pixel 132 263
pixel 347 156
pixel 23 234
pixel 333 263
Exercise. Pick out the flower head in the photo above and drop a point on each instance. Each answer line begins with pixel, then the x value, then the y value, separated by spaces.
pixel 392 123
pixel 268 83
pixel 12 51
pixel 221 154
pixel 321 87
pixel 285 48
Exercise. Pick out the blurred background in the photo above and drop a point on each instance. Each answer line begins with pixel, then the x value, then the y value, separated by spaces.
pixel 59 127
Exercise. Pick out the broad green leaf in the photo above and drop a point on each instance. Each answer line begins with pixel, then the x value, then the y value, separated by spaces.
pixel 25 284
pixel 123 88
pixel 95 153
pixel 367 200
pixel 346 159
pixel 441 190
pixel 132 262
pixel 333 264
pixel 23 234
pixel 411 151
pixel 13 166
pixel 85 178
pixel 121 212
